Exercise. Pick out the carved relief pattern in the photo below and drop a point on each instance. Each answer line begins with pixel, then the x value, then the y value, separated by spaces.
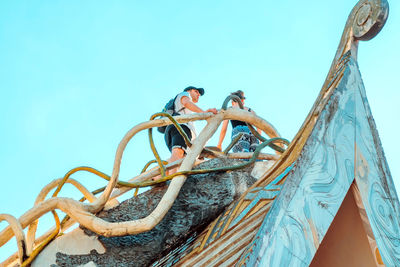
pixel 367 226
pixel 375 184
pixel 314 190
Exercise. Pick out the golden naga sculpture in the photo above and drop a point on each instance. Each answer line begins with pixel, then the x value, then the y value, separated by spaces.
pixel 83 213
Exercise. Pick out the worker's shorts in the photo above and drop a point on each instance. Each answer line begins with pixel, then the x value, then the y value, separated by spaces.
pixel 247 143
pixel 174 139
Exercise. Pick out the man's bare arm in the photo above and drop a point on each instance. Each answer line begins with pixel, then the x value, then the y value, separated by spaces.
pixel 193 107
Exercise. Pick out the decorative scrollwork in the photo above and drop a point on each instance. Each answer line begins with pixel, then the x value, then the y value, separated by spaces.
pixel 386 223
pixel 364 22
pixel 369 18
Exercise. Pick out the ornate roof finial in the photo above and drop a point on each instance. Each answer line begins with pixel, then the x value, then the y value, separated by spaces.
pixel 364 22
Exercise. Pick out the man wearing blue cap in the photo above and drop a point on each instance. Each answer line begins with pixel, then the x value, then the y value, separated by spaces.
pixel 184 104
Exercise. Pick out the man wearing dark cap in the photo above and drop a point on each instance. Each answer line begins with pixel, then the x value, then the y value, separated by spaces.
pixel 184 104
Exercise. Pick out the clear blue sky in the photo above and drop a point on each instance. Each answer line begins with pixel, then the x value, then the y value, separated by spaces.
pixel 75 76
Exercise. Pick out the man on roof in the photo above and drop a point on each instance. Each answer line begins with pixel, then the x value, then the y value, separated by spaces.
pixel 184 104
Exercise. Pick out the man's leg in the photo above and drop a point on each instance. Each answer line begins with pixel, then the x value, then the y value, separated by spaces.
pixel 176 153
pixel 176 145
